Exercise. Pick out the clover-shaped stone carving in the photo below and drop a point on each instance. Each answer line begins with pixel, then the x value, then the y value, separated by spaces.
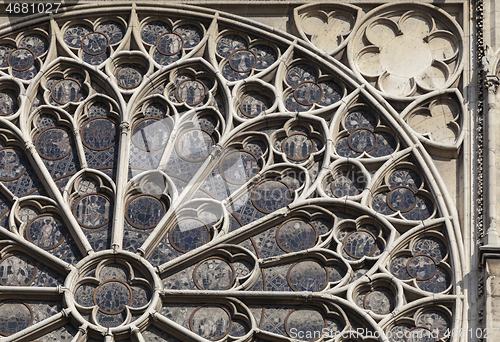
pixel 112 294
pixel 409 53
pixel 404 194
pixel 424 264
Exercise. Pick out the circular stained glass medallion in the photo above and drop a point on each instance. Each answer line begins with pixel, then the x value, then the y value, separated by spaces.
pixel 66 90
pixel 360 243
pixel 379 302
pixel 53 143
pixel 12 164
pixel 361 140
pixel 144 211
pixel 421 267
pixel 92 210
pixel 307 275
pixel 129 77
pixel 210 322
pixel 253 104
pixel 95 43
pixel 46 232
pixel 21 59
pixel 242 60
pixel 295 322
pixel 188 234
pixel 194 145
pixel 169 43
pixel 17 270
pixel 271 195
pixel 191 92
pixel 150 134
pixel 307 93
pixel 99 134
pixel 20 317
pixel 298 146
pixel 214 274
pixel 112 296
pixel 238 167
pixel 296 235
pixel 402 199
pixel 8 103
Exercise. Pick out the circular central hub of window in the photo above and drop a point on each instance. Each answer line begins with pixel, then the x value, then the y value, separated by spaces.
pixel 111 290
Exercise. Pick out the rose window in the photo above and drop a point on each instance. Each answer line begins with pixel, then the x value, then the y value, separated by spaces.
pixel 180 175
pixel 112 293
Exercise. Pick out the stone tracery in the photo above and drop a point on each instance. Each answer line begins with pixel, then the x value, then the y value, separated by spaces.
pixel 244 156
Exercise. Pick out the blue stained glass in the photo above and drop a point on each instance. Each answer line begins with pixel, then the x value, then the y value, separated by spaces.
pixel 46 232
pixel 190 34
pixel 421 267
pixel 27 74
pixel 359 243
pixel 95 43
pixel 21 59
pixel 151 31
pixel 36 43
pixel 113 30
pixel 8 103
pixel 93 210
pixel 402 199
pixel 230 43
pixel 12 164
pixel 301 73
pixel 386 144
pixel 307 276
pixel 270 196
pixel 189 234
pixel 99 134
pixel 53 143
pixel 74 34
pixel 17 270
pixel 5 50
pixel 95 59
pixel 266 56
pixel 332 93
pixel 145 211
pixel 14 317
pixel 210 322
pixel 242 60
pixel 296 235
